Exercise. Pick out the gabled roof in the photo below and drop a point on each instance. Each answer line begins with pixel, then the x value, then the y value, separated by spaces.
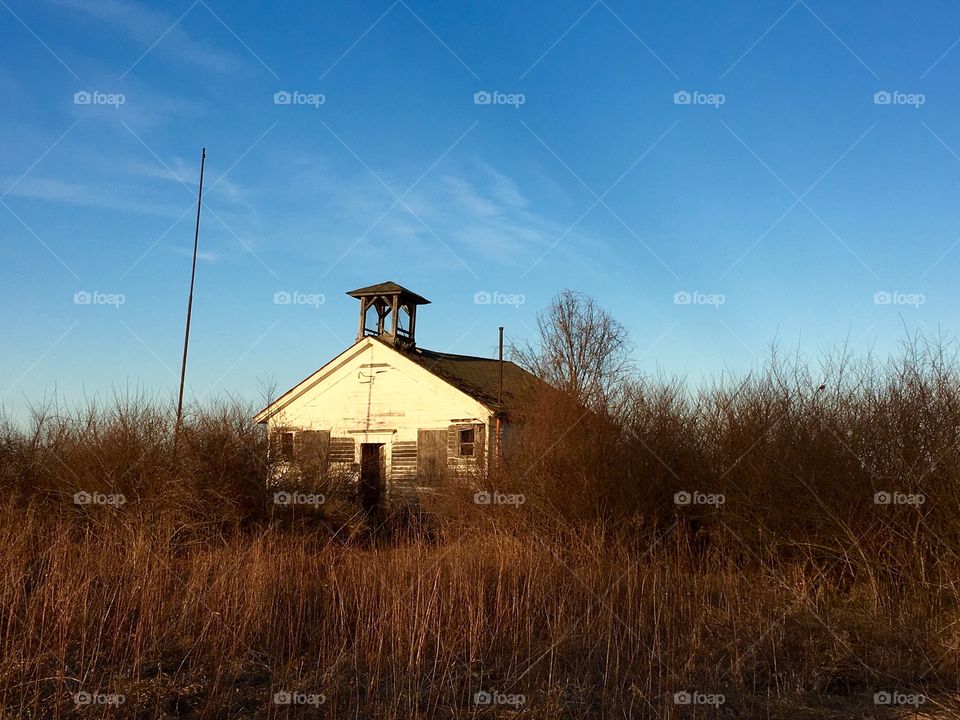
pixel 388 288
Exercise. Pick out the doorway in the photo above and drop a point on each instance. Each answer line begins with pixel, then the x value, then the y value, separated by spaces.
pixel 372 473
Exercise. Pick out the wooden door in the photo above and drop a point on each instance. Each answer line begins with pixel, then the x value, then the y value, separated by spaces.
pixel 372 471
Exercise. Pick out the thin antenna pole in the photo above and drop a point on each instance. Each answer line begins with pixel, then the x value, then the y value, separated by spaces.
pixel 496 453
pixel 500 383
pixel 193 275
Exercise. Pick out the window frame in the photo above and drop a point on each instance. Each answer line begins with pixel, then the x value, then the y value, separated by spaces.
pixel 472 443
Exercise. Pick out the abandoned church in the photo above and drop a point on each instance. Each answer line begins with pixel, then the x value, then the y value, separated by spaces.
pixel 395 417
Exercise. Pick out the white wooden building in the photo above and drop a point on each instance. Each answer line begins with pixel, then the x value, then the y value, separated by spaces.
pixel 399 418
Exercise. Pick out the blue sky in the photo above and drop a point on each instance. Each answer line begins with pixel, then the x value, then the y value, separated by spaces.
pixel 777 165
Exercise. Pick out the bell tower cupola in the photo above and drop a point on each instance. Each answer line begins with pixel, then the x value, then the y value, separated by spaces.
pixel 394 319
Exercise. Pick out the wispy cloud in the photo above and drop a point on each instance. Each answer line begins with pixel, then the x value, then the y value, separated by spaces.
pixel 483 214
pixel 147 26
pixel 186 172
pixel 503 188
pixel 479 213
pixel 89 195
pixel 202 255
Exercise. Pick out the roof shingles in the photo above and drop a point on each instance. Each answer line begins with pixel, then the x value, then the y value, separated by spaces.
pixel 480 377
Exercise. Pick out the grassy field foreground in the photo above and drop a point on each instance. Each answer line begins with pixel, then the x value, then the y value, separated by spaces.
pixel 579 625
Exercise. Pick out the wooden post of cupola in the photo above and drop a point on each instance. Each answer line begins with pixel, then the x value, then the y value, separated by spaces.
pixel 395 309
pixel 389 298
pixel 364 305
pixel 381 315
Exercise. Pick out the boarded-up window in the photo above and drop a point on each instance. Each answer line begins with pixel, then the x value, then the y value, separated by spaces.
pixel 403 461
pixel 403 465
pixel 281 445
pixel 311 452
pixel 431 456
pixel 342 450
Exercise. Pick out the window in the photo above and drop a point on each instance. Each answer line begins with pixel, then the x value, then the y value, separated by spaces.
pixel 285 446
pixel 467 441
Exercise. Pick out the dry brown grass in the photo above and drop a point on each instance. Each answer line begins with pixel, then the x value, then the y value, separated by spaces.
pixel 598 597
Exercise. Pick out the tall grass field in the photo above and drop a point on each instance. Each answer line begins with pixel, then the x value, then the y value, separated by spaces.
pixel 777 545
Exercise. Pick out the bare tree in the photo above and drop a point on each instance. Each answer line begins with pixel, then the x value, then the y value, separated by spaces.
pixel 582 350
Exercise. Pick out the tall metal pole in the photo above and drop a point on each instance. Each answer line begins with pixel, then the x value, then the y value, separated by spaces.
pixel 496 454
pixel 500 382
pixel 193 275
